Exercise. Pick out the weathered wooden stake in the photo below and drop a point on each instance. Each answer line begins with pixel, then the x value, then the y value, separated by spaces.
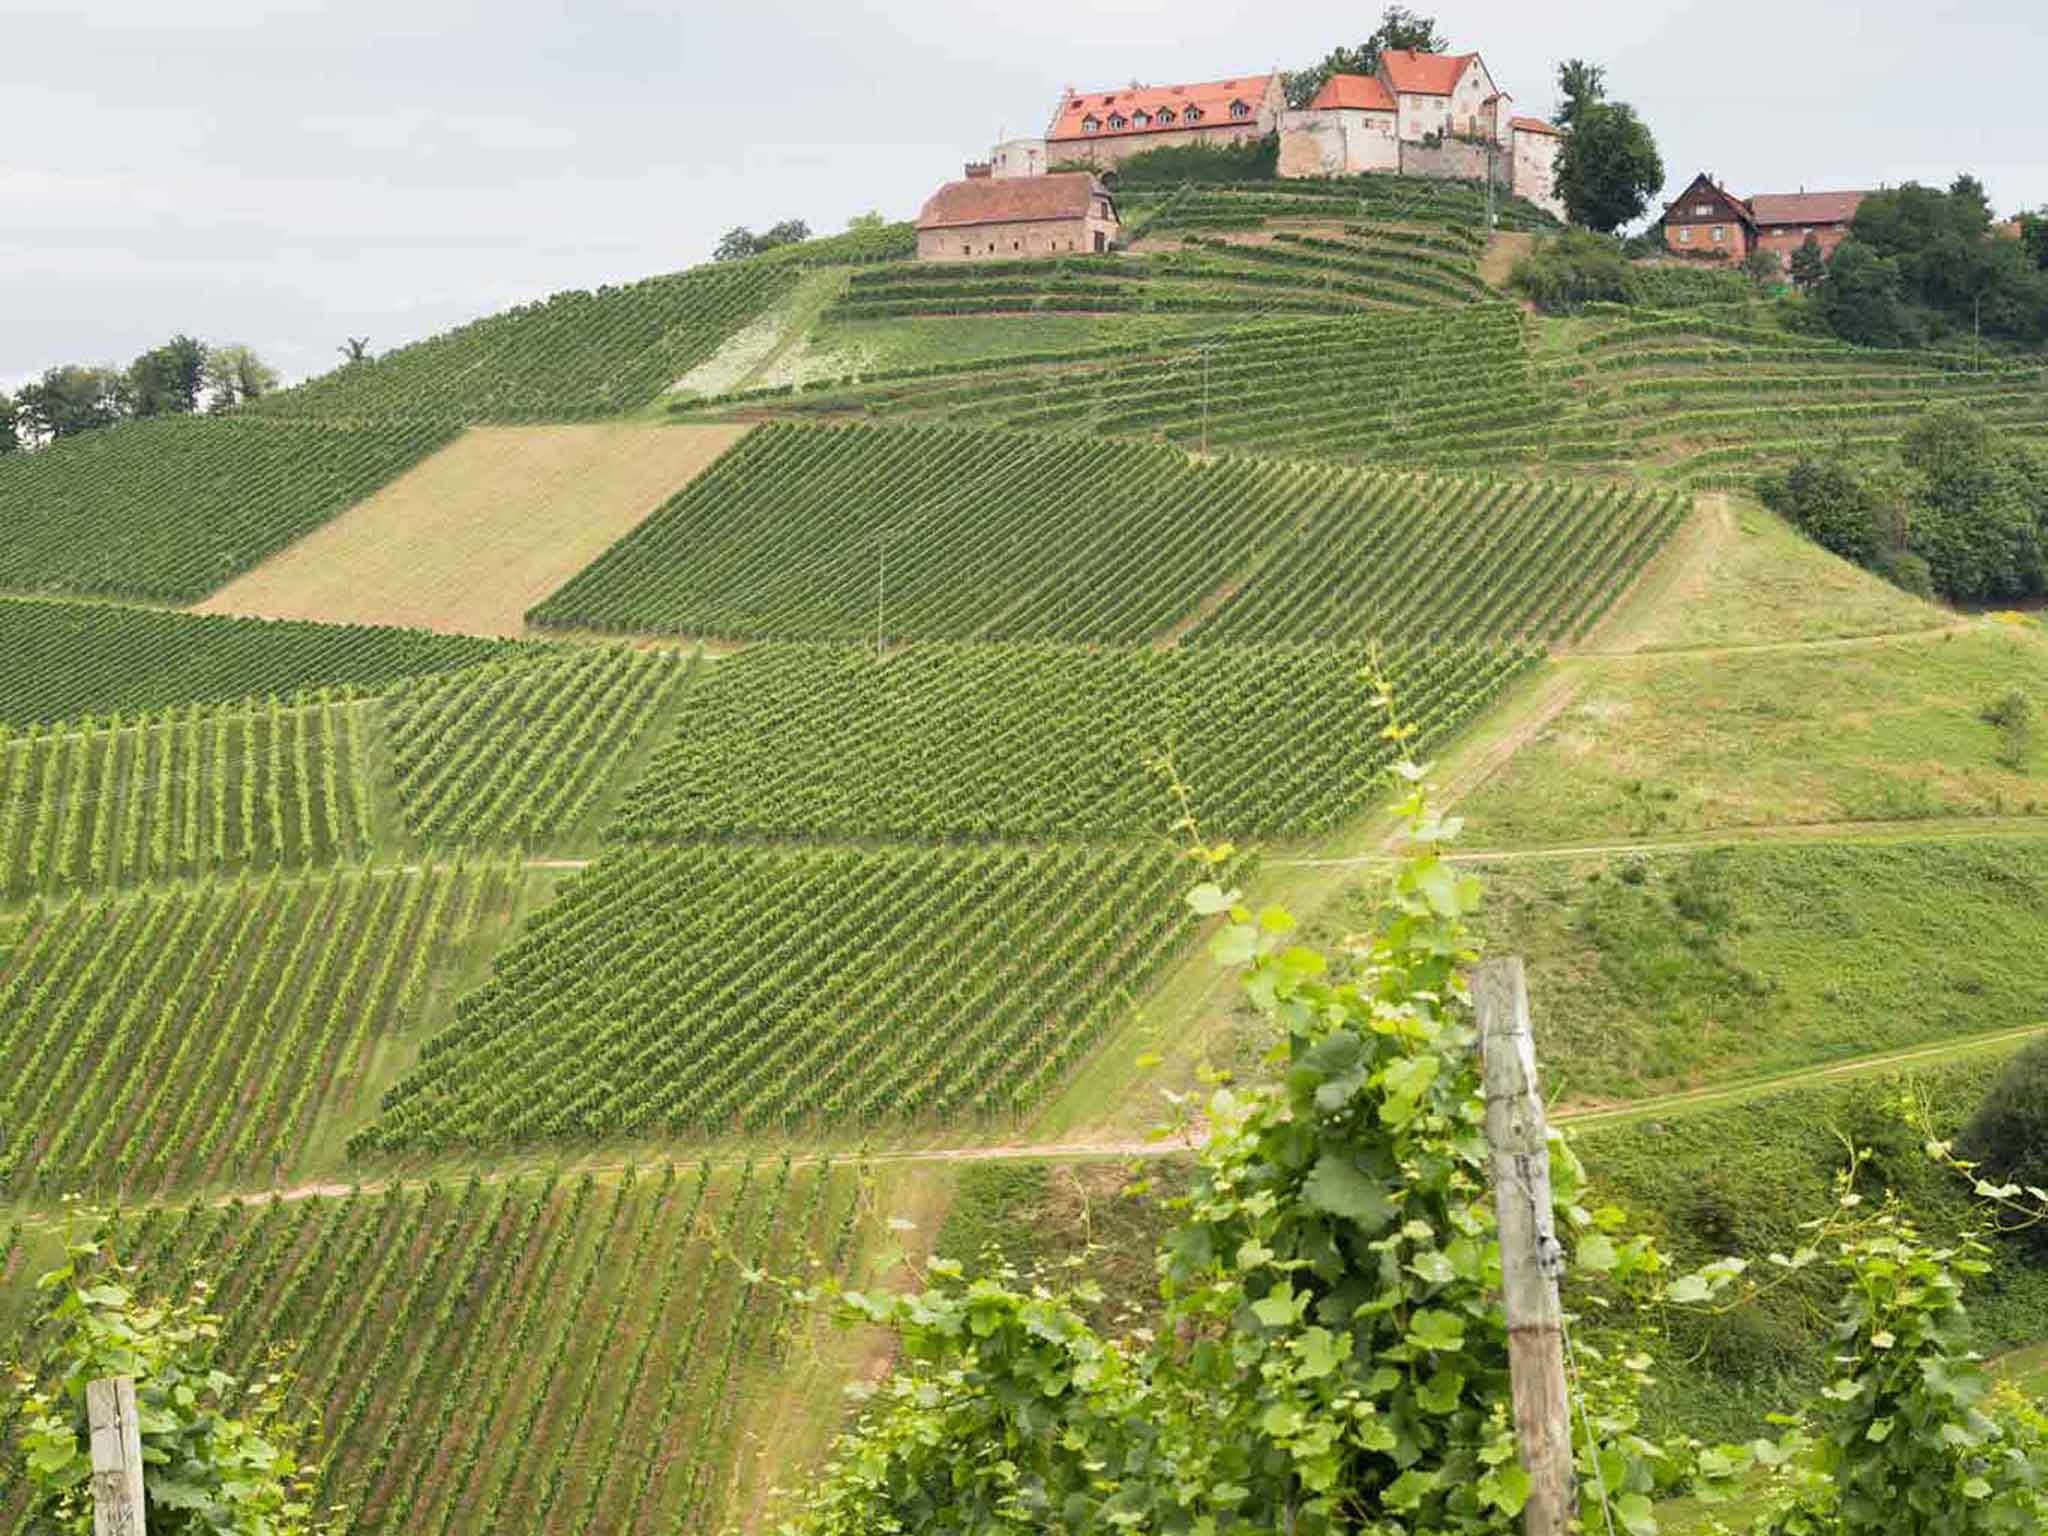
pixel 1531 1258
pixel 117 1497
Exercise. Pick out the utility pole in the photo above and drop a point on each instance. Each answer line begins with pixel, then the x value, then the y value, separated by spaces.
pixel 117 1496
pixel 1531 1258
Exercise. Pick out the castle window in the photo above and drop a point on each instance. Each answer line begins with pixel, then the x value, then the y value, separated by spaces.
pixel 1118 120
pixel 1239 109
pixel 1141 119
pixel 1192 115
pixel 1090 124
pixel 1165 115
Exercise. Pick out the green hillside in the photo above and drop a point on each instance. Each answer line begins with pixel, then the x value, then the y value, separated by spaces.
pixel 477 1013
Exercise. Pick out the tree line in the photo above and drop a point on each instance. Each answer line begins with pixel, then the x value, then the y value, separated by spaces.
pixel 179 378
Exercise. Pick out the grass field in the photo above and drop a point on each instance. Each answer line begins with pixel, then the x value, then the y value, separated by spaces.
pixel 1670 971
pixel 1680 745
pixel 472 538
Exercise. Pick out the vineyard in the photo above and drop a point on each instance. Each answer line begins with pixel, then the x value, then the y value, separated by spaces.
pixel 1024 742
pixel 66 661
pixel 182 791
pixel 574 356
pixel 719 988
pixel 195 500
pixel 936 533
pixel 520 749
pixel 541 1355
pixel 1457 207
pixel 191 1034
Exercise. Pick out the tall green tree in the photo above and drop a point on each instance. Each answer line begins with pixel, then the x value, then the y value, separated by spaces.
pixel 9 418
pixel 69 399
pixel 1863 298
pixel 166 380
pixel 1609 168
pixel 235 374
pixel 1579 86
pixel 1399 28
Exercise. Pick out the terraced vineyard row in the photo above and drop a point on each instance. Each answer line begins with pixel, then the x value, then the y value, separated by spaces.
pixel 182 791
pixel 538 1355
pixel 719 988
pixel 189 1034
pixel 1459 206
pixel 983 742
pixel 807 533
pixel 519 749
pixel 1396 556
pixel 65 661
pixel 575 355
pixel 168 509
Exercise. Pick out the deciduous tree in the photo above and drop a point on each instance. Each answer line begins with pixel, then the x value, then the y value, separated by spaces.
pixel 235 374
pixel 1609 167
pixel 1809 262
pixel 166 380
pixel 9 440
pixel 69 399
pixel 1579 86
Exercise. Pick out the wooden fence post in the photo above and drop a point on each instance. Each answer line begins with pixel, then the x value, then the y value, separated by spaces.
pixel 117 1496
pixel 1531 1258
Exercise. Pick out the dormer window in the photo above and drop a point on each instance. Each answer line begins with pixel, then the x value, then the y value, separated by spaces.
pixel 1141 119
pixel 1239 109
pixel 1165 115
pixel 1091 124
pixel 1192 115
pixel 1118 120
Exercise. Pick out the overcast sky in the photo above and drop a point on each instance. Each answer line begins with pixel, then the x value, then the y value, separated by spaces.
pixel 288 174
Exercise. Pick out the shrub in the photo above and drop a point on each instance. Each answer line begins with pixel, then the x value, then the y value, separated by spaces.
pixel 1573 270
pixel 1828 500
pixel 1255 161
pixel 2008 1136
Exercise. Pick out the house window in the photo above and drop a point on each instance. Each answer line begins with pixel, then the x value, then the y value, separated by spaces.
pixel 1704 210
pixel 1720 233
pixel 1090 124
pixel 1239 109
pixel 1685 234
pixel 1192 115
pixel 1141 120
pixel 1118 120
pixel 1165 115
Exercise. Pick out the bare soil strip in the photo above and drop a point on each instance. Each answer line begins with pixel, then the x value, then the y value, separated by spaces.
pixel 470 539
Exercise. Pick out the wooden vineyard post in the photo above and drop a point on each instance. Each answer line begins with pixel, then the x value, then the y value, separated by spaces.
pixel 1531 1258
pixel 117 1497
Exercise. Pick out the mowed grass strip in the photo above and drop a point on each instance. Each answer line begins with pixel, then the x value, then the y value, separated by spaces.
pixel 470 539
pixel 1894 730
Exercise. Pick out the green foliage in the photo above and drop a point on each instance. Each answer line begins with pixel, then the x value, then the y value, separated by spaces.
pixel 223 1458
pixel 2011 714
pixel 1831 501
pixel 1399 28
pixel 619 1008
pixel 1609 167
pixel 1949 265
pixel 1863 298
pixel 1562 276
pixel 69 399
pixel 64 661
pixel 1809 262
pixel 10 424
pixel 196 500
pixel 575 356
pixel 1580 87
pixel 952 743
pixel 740 243
pixel 2008 1135
pixel 1254 160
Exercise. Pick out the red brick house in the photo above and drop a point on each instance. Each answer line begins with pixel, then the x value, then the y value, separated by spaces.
pixel 1784 219
pixel 1707 219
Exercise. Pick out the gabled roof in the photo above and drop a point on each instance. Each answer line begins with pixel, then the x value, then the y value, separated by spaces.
pixel 1424 74
pixel 1064 195
pixel 1359 93
pixel 1535 125
pixel 1705 182
pixel 1806 207
pixel 1211 97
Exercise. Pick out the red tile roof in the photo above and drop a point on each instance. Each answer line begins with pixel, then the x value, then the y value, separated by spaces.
pixel 1362 93
pixel 1535 125
pixel 1805 207
pixel 1212 98
pixel 1064 195
pixel 1424 74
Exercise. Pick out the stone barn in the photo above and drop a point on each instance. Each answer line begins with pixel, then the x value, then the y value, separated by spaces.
pixel 989 218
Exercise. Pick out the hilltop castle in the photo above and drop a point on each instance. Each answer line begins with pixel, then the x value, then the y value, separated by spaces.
pixel 1420 114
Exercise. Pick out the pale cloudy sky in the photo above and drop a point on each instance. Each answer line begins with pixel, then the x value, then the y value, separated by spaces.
pixel 286 174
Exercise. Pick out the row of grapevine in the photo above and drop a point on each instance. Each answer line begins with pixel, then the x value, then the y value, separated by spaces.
pixel 183 790
pixel 170 508
pixel 577 354
pixel 1393 556
pixel 193 1033
pixel 947 742
pixel 797 532
pixel 63 661
pixel 519 749
pixel 941 533
pixel 484 1357
pixel 711 988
